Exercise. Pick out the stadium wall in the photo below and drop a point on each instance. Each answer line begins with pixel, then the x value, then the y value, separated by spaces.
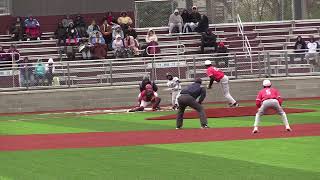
pixel 108 97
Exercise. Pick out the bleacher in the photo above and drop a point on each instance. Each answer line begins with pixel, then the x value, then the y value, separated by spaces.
pixel 263 37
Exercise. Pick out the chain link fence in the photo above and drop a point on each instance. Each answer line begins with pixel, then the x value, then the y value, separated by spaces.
pixel 155 13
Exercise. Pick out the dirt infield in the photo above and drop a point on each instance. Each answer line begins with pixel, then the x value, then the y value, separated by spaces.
pixel 132 138
pixel 229 112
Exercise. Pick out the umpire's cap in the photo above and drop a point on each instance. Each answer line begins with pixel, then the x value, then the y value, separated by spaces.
pixel 198 80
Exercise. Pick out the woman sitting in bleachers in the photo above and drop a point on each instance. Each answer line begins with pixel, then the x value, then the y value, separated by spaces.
pixel 131 45
pixel 32 28
pixel 60 34
pixel 93 28
pixel 152 43
pixel 99 48
pixel 81 26
pixel 118 47
pixel 117 31
pixel 72 34
pixel 17 30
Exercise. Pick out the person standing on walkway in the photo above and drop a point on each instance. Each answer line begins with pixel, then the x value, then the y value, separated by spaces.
pixel 188 97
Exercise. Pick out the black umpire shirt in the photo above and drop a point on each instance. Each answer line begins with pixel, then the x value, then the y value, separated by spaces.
pixel 195 90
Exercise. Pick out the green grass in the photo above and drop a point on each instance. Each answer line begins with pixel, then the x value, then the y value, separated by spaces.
pixel 60 123
pixel 285 159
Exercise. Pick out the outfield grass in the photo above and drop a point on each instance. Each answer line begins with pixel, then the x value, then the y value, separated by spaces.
pixel 59 123
pixel 285 159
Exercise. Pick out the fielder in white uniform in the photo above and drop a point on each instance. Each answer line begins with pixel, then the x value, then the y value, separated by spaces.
pixel 269 98
pixel 175 87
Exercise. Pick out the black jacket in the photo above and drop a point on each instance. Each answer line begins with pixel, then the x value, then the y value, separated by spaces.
pixel 195 17
pixel 209 38
pixel 195 90
pixel 300 46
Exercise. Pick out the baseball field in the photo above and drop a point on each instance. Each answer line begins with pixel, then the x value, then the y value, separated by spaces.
pixel 145 146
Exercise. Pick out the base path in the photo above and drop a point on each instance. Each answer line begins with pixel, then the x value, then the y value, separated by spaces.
pixel 132 138
pixel 229 112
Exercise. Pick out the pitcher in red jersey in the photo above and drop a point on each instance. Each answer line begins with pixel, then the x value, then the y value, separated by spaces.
pixel 217 75
pixel 269 98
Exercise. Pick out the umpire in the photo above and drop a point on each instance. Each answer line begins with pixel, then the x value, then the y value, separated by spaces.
pixel 188 97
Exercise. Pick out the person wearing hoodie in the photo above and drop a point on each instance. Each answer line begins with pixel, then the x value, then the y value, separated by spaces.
pixel 203 25
pixel 80 25
pixel 60 34
pixel 152 42
pixel 175 21
pixel 66 21
pixel 208 39
pixel 32 28
pixel 186 21
pixel 222 51
pixel 312 49
pixel 124 20
pixel 299 50
pixel 25 72
pixel 50 68
pixel 17 30
pixel 118 47
pixel 40 73
pixel 93 28
pixel 106 31
pixel 99 49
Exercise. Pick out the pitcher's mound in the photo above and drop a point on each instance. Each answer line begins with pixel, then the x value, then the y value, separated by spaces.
pixel 229 112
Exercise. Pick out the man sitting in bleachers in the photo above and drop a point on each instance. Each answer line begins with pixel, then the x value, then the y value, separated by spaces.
pixel 32 28
pixel 66 21
pixel 208 39
pixel 72 34
pixel 222 52
pixel 132 32
pixel 195 18
pixel 81 26
pixel 14 56
pixel 17 30
pixel 299 50
pixel 106 31
pixel 60 34
pixel 175 21
pixel 312 49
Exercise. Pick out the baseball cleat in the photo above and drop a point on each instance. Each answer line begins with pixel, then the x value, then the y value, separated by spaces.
pixel 255 130
pixel 204 127
pixel 234 105
pixel 178 128
pixel 288 129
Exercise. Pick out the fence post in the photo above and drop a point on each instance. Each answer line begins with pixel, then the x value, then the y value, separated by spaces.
pixel 110 66
pixel 286 61
pixel 259 64
pixel 268 64
pixel 68 68
pixel 194 67
pixel 13 70
pixel 152 70
pixel 235 66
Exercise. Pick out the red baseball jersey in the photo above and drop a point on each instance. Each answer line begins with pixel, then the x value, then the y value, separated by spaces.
pixel 268 93
pixel 215 72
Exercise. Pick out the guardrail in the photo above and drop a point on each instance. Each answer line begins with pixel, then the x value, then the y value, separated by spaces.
pixel 109 72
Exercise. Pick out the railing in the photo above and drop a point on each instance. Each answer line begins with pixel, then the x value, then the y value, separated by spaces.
pixel 75 74
pixel 5 7
pixel 245 40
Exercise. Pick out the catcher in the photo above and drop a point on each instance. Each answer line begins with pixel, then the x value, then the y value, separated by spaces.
pixel 147 97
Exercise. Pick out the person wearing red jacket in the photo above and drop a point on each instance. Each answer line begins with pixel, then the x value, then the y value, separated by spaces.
pixel 147 97
pixel 269 98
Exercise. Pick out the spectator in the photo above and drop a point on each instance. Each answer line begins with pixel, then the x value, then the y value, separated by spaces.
pixel 203 25
pixel 14 53
pixel 93 28
pixel 3 56
pixel 175 21
pixel 222 51
pixel 106 31
pixel 17 30
pixel 124 20
pixel 99 49
pixel 131 45
pixel 40 72
pixel 25 72
pixel 299 49
pixel 80 25
pixel 72 33
pixel 186 20
pixel 32 28
pixel 195 15
pixel 50 68
pixel 84 49
pixel 312 49
pixel 208 39
pixel 131 32
pixel 110 18
pixel 66 21
pixel 117 31
pixel 60 34
pixel 118 47
pixel 152 42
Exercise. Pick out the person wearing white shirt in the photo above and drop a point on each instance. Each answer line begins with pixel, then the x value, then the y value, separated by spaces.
pixel 312 49
pixel 175 87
